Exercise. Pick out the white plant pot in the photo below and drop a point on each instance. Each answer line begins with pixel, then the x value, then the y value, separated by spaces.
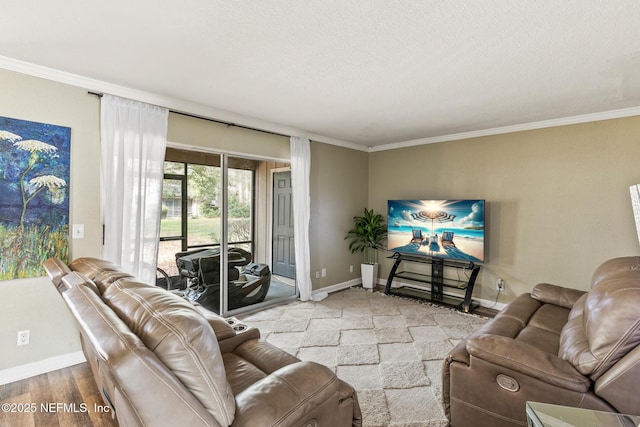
pixel 369 274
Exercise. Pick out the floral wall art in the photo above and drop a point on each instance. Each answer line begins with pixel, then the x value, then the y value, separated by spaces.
pixel 34 196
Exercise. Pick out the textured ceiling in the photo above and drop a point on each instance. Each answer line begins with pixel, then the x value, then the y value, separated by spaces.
pixel 367 72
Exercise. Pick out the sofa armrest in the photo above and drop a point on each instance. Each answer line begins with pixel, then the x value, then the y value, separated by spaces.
pixel 221 327
pixel 528 360
pixel 458 354
pixel 288 396
pixel 556 295
pixel 234 332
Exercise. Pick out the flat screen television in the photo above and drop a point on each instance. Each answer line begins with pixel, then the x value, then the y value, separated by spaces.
pixel 450 229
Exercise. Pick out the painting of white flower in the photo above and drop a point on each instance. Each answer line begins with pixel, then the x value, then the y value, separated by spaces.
pixel 34 196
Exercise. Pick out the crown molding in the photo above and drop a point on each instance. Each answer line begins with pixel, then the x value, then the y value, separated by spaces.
pixel 171 103
pixel 204 111
pixel 584 118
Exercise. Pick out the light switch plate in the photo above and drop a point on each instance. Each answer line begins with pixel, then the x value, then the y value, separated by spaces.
pixel 78 231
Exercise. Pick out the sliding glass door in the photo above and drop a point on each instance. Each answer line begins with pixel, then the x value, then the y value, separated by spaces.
pixel 216 231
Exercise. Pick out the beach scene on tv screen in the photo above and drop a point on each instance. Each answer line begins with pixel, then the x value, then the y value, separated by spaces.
pixel 451 229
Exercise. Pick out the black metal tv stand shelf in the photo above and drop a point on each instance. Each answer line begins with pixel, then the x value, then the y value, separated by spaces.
pixel 436 281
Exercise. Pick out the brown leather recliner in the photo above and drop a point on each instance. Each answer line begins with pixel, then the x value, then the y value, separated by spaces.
pixel 159 360
pixel 554 345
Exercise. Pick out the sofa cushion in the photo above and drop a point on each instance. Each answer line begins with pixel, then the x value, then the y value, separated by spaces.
pixel 74 279
pixel 530 321
pixel 614 266
pixel 252 361
pixel 129 375
pixel 604 325
pixel 102 273
pixel 56 270
pixel 91 267
pixel 513 318
pixel 297 395
pixel 180 337
pixel 104 279
pixel 574 346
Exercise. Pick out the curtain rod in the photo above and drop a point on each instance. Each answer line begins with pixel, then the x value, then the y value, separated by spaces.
pixel 99 95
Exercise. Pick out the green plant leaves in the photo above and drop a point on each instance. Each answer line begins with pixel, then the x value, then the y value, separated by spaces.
pixel 367 235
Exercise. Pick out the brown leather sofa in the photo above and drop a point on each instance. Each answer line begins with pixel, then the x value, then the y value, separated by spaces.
pixel 160 360
pixel 554 345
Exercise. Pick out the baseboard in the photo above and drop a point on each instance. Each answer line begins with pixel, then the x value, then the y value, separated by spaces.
pixel 490 304
pixel 396 283
pixel 339 287
pixel 40 367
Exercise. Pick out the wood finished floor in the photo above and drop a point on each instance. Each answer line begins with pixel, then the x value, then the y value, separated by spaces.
pixel 59 397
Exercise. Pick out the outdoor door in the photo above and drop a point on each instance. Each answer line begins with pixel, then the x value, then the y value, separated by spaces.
pixel 283 241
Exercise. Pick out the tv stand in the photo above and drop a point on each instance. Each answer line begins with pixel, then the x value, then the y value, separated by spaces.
pixel 436 281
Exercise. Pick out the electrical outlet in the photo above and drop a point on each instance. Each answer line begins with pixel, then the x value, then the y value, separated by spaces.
pixel 317 274
pixel 351 269
pixel 500 285
pixel 23 337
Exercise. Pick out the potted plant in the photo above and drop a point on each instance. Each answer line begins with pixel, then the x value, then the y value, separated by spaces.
pixel 367 236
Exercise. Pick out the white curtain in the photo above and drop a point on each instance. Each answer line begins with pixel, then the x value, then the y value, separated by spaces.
pixel 300 171
pixel 133 139
pixel 635 204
